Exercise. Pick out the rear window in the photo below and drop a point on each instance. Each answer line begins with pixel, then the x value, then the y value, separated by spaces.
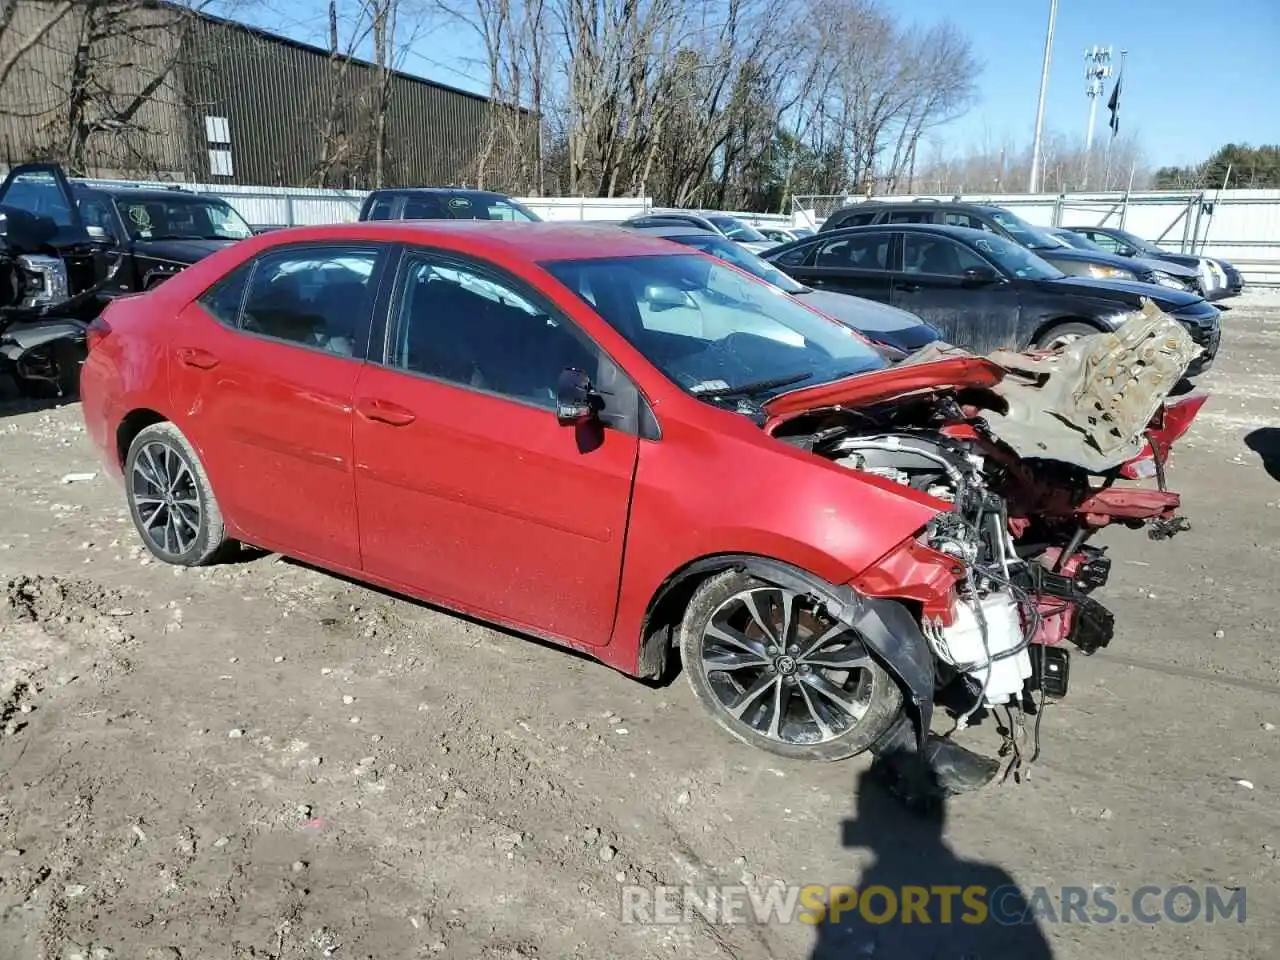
pixel 381 208
pixel 857 219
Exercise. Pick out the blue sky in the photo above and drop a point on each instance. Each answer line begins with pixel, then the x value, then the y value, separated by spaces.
pixel 1197 76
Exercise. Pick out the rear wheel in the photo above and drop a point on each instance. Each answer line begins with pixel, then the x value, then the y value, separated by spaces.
pixel 777 672
pixel 1063 334
pixel 172 504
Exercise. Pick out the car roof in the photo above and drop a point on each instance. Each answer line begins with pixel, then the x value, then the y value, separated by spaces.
pixel 444 191
pixel 515 240
pixel 121 191
pixel 962 233
pixel 676 230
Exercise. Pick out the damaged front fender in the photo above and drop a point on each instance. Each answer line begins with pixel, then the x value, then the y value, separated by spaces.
pixel 889 630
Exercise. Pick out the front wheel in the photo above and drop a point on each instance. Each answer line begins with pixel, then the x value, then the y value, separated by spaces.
pixel 172 504
pixel 1063 334
pixel 777 672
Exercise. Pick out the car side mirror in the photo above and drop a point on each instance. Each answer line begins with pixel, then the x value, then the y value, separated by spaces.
pixel 980 276
pixel 576 400
pixel 665 297
pixel 1126 251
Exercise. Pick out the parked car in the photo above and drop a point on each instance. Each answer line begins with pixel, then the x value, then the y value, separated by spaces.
pixel 775 234
pixel 141 235
pixel 982 290
pixel 1122 243
pixel 721 223
pixel 523 423
pixel 876 321
pixel 1166 274
pixel 1071 261
pixel 74 245
pixel 443 203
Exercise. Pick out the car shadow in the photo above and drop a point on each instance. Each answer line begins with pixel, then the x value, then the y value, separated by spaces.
pixel 436 608
pixel 988 916
pixel 13 406
pixel 1265 442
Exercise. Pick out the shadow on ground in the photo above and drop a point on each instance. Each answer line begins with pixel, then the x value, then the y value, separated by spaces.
pixel 12 406
pixel 1265 442
pixel 913 861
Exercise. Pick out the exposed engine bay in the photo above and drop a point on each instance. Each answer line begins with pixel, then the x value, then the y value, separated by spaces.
pixel 1016 523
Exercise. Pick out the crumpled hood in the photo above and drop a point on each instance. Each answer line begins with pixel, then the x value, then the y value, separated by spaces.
pixel 1088 403
pixel 1167 266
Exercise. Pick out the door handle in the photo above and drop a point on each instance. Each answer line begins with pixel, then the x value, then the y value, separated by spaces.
pixel 195 357
pixel 908 287
pixel 384 412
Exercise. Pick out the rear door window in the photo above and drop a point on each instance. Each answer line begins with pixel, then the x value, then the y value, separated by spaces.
pixel 314 296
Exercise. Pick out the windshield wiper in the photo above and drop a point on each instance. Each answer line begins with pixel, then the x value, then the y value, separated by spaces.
pixel 750 389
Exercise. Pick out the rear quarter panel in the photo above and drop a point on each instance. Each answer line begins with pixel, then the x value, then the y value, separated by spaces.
pixel 127 371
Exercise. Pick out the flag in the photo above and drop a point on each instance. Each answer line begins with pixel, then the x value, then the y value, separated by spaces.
pixel 1114 106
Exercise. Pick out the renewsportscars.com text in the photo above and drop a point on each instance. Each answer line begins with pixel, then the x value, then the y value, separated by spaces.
pixel 935 904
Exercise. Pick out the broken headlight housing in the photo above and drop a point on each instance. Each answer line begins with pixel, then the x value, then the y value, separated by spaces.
pixel 1167 280
pixel 1112 273
pixel 45 280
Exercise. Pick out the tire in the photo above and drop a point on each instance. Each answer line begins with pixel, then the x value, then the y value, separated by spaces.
pixel 1065 332
pixel 719 621
pixel 179 523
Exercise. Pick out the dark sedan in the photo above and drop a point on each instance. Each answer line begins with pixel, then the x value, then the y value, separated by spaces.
pixel 1003 223
pixel 1125 244
pixel 981 290
pixel 876 321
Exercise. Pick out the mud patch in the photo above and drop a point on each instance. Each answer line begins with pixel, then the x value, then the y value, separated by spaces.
pixel 45 622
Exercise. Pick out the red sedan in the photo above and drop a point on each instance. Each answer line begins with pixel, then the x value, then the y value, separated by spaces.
pixel 594 437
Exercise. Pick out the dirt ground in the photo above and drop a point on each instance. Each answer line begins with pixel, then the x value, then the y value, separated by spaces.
pixel 260 760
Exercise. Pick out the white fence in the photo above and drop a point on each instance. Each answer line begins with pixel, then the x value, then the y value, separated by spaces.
pixel 1242 226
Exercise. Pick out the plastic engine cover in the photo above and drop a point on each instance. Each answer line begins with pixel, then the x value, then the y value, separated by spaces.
pixel 961 646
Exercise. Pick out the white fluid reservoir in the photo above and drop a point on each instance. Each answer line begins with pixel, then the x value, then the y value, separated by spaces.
pixel 961 645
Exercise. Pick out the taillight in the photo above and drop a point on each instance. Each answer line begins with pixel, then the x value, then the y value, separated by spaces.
pixel 98 331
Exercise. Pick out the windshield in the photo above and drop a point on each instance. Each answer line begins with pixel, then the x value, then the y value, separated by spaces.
pixel 1079 241
pixel 1014 259
pixel 735 229
pixel 742 258
pixel 1025 233
pixel 464 206
pixel 1138 244
pixel 182 219
pixel 714 330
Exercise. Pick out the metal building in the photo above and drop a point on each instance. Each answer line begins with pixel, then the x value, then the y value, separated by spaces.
pixel 153 91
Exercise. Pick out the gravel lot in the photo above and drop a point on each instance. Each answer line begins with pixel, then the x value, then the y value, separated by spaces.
pixel 260 760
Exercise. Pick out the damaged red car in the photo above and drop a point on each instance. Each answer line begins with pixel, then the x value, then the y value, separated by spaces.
pixel 627 447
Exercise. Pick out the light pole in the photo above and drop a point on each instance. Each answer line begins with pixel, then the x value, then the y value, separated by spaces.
pixel 1034 185
pixel 1097 68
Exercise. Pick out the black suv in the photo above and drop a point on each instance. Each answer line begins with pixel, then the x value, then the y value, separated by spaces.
pixel 1071 261
pixel 139 236
pixel 443 203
